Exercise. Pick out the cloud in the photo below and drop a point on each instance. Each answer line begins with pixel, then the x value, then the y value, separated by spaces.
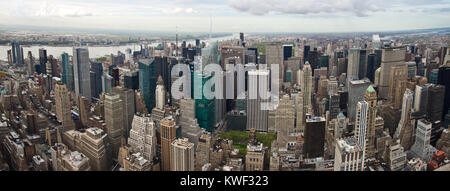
pixel 47 9
pixel 304 7
pixel 179 10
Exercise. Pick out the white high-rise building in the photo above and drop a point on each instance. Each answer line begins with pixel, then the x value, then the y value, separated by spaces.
pixel 348 156
pixel 361 125
pixel 182 155
pixel 306 85
pixel 422 147
pixel 143 136
pixel 160 94
pixel 408 98
pixel 257 116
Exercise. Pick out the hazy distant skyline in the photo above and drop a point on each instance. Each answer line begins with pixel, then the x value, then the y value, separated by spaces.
pixel 230 15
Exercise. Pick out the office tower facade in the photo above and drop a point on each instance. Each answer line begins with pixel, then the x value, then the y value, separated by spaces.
pixel 114 121
pixel 300 119
pixel 284 120
pixel 65 68
pixel 168 135
pixel 398 75
pixel 348 156
pixel 356 91
pixel 287 52
pixel 254 159
pixel 274 55
pixel 63 107
pixel 182 155
pixel 30 64
pixel 371 98
pixel 361 126
pixel 96 79
pixel 188 122
pixel 128 106
pixel 204 107
pixel 306 85
pixel 257 116
pixel 390 57
pixel 397 157
pixel 436 96
pixel 362 69
pixel 160 94
pixel 81 70
pixel 444 79
pixel 353 64
pixel 143 137
pixel 94 143
pixel 314 137
pixel 42 61
pixel 371 67
pixel 405 129
pixel 421 99
pixel 202 150
pixel 147 81
pixel 422 147
pixel 64 159
pixel 131 80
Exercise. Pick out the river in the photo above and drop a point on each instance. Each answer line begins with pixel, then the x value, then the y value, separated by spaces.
pixel 94 51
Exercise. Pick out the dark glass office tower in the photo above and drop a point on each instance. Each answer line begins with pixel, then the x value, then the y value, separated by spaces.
pixel 287 52
pixel 371 67
pixel 42 61
pixel 131 80
pixel 362 64
pixel 444 79
pixel 96 79
pixel 305 53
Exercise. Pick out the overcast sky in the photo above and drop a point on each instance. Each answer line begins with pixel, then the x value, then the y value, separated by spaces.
pixel 230 15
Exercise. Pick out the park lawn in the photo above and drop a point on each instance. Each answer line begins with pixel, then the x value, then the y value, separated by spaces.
pixel 241 137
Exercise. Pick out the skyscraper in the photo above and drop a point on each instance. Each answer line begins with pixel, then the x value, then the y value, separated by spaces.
pixel 390 57
pixel 422 147
pixel 81 68
pixel 257 116
pixel 405 130
pixel 168 135
pixel 182 155
pixel 348 156
pixel 42 61
pixel 204 107
pixel 306 85
pixel 147 81
pixel 143 137
pixel 314 137
pixel 371 98
pixel 114 121
pixel 356 91
pixel 362 69
pixel 353 64
pixel 361 126
pixel 128 101
pixel 96 80
pixel 63 106
pixel 160 94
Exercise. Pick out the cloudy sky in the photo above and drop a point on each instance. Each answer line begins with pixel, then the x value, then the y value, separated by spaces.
pixel 230 15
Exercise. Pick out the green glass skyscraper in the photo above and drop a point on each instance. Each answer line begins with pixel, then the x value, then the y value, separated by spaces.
pixel 204 108
pixel 147 81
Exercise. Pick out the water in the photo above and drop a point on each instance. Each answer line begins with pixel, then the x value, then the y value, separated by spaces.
pixel 94 51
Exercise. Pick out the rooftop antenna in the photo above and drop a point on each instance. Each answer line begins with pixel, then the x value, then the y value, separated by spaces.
pixel 176 41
